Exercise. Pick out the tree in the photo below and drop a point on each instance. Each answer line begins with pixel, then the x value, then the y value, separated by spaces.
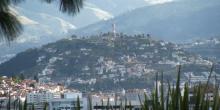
pixel 1 102
pixel 90 102
pixel 20 105
pixel 78 104
pixel 25 104
pixel 9 102
pixel 16 79
pixel 108 104
pixel 45 106
pixel 10 26
pixel 130 106
pixel 15 104
pixel 32 108
pixel 21 77
pixel 36 78
pixel 102 104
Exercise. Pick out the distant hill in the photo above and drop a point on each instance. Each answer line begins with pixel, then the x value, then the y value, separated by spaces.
pixel 177 21
pixel 100 62
pixel 207 48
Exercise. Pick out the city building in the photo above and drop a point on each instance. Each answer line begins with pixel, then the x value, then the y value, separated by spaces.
pixel 129 99
pixel 38 99
pixel 68 102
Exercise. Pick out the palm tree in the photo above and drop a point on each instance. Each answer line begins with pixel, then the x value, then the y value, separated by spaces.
pixel 11 28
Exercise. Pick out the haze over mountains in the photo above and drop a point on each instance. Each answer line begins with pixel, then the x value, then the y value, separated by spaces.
pixel 174 21
pixel 41 19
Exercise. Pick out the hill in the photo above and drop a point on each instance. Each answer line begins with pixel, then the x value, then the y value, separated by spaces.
pixel 102 61
pixel 44 23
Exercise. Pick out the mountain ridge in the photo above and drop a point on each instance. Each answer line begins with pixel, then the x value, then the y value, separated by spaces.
pixel 174 21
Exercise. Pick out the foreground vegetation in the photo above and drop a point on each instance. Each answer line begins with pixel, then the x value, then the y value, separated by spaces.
pixel 173 100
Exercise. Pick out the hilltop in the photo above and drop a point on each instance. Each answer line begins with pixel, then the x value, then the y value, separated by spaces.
pixel 178 21
pixel 102 61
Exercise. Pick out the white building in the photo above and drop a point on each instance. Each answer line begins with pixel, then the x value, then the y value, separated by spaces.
pixel 118 101
pixel 68 102
pixel 71 95
pixel 202 79
pixel 38 99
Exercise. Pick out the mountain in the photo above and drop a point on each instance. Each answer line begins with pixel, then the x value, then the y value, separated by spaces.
pixel 176 21
pixel 102 61
pixel 43 23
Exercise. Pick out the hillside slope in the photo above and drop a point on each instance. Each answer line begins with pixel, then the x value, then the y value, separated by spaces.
pixel 100 62
pixel 208 48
